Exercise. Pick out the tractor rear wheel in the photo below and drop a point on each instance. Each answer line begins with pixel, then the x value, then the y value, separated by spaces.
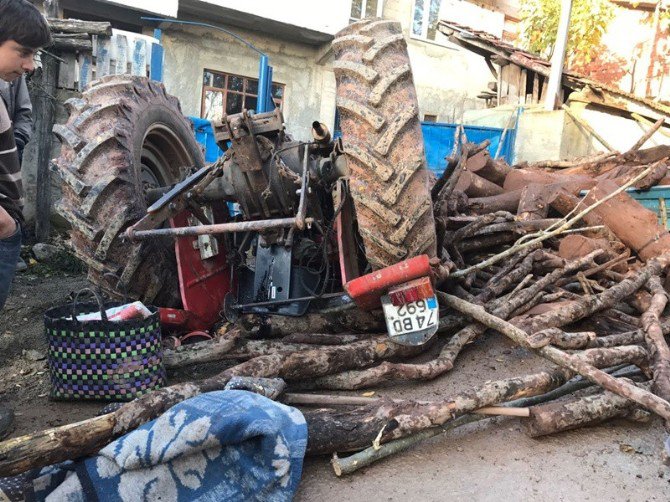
pixel 124 135
pixel 383 142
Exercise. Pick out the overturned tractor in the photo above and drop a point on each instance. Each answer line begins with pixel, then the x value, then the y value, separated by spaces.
pixel 276 225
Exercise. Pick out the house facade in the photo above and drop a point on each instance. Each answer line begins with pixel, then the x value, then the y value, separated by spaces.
pixel 213 72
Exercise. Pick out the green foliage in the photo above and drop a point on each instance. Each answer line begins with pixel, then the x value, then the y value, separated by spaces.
pixel 588 22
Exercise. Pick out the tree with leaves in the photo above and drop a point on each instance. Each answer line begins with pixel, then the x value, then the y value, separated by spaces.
pixel 588 23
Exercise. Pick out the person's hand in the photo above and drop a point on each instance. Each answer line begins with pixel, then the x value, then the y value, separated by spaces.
pixel 7 224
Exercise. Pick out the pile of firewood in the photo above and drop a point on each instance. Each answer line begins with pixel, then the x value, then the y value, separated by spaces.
pixel 579 280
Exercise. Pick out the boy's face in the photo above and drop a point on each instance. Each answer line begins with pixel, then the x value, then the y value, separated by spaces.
pixel 15 60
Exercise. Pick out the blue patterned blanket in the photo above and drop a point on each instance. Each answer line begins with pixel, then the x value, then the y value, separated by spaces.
pixel 228 445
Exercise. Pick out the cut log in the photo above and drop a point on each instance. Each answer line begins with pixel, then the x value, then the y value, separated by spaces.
pixel 476 186
pixel 494 170
pixel 507 201
pixel 577 412
pixel 632 223
pixel 517 179
pixel 533 204
pixel 72 45
pixel 352 320
pixel 202 352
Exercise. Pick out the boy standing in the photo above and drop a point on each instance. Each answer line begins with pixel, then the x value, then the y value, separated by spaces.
pixel 23 31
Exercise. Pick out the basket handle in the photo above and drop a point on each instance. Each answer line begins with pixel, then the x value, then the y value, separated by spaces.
pixel 123 287
pixel 101 305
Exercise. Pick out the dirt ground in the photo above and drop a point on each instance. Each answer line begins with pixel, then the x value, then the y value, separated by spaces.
pixel 491 460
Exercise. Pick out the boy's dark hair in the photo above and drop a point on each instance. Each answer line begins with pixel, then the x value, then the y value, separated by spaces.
pixel 21 22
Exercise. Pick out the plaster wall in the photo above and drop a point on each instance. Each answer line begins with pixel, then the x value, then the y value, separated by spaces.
pixel 310 87
pixel 554 135
pixel 447 78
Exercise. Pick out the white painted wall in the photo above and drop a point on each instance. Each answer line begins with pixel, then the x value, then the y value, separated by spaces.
pixel 323 16
pixel 161 7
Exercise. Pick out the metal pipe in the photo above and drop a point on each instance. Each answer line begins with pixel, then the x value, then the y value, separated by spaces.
pixel 272 303
pixel 263 71
pixel 304 187
pixel 219 228
pixel 558 58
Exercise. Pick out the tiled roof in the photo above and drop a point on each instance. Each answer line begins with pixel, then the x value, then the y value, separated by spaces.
pixel 489 45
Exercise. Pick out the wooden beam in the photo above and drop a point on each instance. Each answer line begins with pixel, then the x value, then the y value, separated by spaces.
pixel 78 26
pixel 587 127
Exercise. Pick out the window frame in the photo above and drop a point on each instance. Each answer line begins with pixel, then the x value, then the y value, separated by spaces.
pixel 364 4
pixel 425 22
pixel 225 90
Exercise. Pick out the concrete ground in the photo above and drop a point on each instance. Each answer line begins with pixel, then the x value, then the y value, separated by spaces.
pixel 492 460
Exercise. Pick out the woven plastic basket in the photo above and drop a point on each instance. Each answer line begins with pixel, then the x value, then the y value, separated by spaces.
pixel 102 360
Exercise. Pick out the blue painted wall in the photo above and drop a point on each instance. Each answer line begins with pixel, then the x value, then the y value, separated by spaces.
pixel 438 139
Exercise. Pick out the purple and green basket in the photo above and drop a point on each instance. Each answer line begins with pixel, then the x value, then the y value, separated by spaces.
pixel 103 360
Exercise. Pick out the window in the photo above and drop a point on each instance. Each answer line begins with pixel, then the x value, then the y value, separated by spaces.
pixel 360 9
pixel 429 118
pixel 223 93
pixel 425 16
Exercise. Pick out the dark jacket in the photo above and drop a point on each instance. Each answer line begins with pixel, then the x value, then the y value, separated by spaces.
pixel 16 97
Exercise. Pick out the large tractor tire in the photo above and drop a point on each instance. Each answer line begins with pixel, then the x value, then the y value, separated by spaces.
pixel 124 136
pixel 378 107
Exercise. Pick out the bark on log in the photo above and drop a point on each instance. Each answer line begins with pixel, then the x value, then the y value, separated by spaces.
pixel 202 352
pixel 485 242
pixel 321 338
pixel 353 320
pixel 577 412
pixel 561 339
pixel 476 186
pixel 533 204
pixel 72 45
pixel 653 334
pixel 507 201
pixel 517 179
pixel 519 227
pixel 79 26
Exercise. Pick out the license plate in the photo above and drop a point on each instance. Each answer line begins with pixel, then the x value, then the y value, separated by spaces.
pixel 411 323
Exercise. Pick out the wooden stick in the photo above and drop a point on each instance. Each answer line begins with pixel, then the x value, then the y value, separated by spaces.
pixel 503 411
pixel 644 398
pixel 648 123
pixel 646 136
pixel 327 400
pixel 577 412
pixel 583 123
pixel 543 236
pixel 588 305
pixel 653 335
